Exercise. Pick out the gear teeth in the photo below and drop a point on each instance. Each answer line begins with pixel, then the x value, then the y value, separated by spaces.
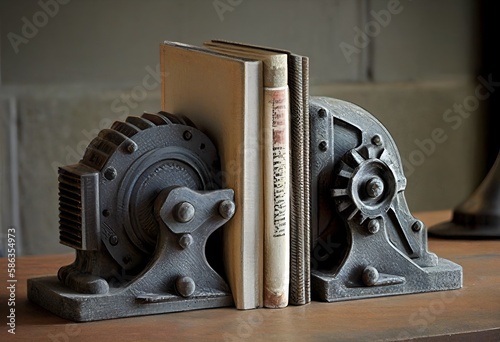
pixel 384 156
pixel 172 118
pixel 345 170
pixel 140 123
pixel 352 214
pixel 157 119
pixel 345 173
pixel 105 146
pixel 356 157
pixel 112 136
pixel 372 153
pixel 339 192
pixel 344 205
pixel 125 128
pixel 364 152
pixel 94 157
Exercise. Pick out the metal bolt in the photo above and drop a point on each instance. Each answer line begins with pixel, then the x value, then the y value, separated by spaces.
pixel 323 146
pixel 370 276
pixel 187 135
pixel 375 187
pixel 322 113
pixel 185 286
pixel 132 147
pixel 185 212
pixel 185 240
pixel 110 173
pixel 373 226
pixel 417 226
pixel 113 240
pixel 227 209
pixel 377 140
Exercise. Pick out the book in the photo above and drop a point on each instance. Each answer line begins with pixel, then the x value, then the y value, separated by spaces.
pixel 276 168
pixel 300 207
pixel 222 96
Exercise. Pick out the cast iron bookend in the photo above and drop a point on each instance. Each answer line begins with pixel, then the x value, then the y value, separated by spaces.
pixel 140 209
pixel 479 216
pixel 143 205
pixel 365 242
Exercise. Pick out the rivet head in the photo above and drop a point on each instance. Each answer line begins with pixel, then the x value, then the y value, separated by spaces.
pixel 227 209
pixel 417 226
pixel 375 187
pixel 373 226
pixel 323 145
pixel 110 173
pixel 377 140
pixel 113 240
pixel 132 147
pixel 370 276
pixel 185 240
pixel 187 135
pixel 185 212
pixel 322 112
pixel 185 286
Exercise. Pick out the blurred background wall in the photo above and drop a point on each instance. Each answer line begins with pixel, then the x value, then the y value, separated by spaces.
pixel 69 68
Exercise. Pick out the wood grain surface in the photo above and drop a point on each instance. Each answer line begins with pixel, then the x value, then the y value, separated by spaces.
pixel 472 313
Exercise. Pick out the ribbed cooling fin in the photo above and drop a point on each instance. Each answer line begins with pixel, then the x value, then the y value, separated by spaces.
pixel 78 207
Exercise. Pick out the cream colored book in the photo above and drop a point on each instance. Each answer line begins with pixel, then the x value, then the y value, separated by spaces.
pixel 276 171
pixel 300 202
pixel 222 95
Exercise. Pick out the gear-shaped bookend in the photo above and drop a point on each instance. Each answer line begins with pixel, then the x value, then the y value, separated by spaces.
pixel 365 242
pixel 139 209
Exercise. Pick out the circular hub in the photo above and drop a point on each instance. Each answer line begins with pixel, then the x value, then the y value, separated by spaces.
pixel 365 185
pixel 138 159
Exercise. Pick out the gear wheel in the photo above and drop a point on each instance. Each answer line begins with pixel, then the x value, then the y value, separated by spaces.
pixel 135 160
pixel 366 183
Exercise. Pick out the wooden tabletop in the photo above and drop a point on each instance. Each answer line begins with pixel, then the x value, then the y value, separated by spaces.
pixel 449 316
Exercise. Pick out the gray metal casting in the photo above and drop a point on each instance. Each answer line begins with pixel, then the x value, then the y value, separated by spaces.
pixel 139 209
pixel 365 242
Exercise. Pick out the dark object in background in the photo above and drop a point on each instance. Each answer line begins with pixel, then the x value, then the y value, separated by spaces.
pixel 479 216
pixel 490 66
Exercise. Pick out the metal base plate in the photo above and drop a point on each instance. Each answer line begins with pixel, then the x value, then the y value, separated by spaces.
pixel 49 293
pixel 446 276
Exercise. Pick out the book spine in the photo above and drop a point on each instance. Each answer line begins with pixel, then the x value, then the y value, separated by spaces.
pixel 276 196
pixel 306 238
pixel 299 252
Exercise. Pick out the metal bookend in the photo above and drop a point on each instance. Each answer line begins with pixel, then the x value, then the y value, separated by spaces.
pixel 140 209
pixel 479 216
pixel 365 243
